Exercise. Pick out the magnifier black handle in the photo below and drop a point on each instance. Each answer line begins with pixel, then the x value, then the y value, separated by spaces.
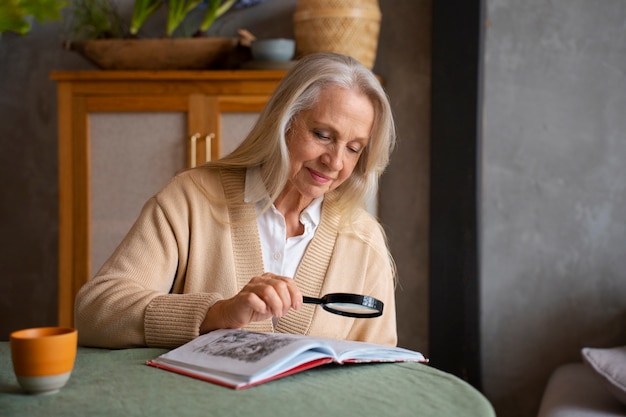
pixel 312 300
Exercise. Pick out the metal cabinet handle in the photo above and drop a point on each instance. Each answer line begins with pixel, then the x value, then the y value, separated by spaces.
pixel 208 143
pixel 192 149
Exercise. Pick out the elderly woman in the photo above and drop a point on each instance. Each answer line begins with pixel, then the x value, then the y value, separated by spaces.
pixel 236 243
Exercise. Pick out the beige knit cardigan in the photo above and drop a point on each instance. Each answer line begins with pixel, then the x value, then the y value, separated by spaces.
pixel 188 250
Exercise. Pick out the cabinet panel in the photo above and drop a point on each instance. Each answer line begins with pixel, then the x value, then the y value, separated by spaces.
pixel 133 155
pixel 235 128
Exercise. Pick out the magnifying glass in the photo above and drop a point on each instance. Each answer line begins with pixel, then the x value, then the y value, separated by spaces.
pixel 350 305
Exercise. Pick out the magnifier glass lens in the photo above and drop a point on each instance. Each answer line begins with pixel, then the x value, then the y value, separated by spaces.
pixel 351 308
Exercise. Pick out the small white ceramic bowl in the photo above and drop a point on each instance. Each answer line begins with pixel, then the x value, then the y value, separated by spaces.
pixel 43 384
pixel 275 50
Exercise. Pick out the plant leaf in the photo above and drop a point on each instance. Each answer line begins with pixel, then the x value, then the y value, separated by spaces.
pixel 42 10
pixel 12 18
pixel 141 11
pixel 13 13
pixel 215 10
pixel 94 19
pixel 178 10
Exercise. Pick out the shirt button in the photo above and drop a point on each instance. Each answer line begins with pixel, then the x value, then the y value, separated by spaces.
pixel 278 255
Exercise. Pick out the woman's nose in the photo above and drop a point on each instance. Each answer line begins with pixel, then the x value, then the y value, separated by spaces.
pixel 333 158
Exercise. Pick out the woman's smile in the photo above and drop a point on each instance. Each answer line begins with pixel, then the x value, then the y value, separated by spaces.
pixel 319 177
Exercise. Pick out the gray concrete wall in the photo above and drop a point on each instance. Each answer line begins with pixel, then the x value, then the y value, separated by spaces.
pixel 554 191
pixel 28 157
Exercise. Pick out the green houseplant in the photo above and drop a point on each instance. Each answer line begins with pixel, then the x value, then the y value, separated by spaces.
pixel 98 32
pixel 17 15
pixel 177 12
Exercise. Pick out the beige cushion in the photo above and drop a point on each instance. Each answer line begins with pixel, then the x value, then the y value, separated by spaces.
pixel 610 364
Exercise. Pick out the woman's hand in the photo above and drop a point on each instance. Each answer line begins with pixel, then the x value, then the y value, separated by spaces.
pixel 263 297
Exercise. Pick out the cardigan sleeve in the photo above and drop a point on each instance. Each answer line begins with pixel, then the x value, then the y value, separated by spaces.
pixel 379 282
pixel 128 303
pixel 173 265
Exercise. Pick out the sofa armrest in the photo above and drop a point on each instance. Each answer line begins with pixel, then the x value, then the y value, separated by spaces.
pixel 573 390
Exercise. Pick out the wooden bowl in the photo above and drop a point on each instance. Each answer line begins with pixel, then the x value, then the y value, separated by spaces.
pixel 156 54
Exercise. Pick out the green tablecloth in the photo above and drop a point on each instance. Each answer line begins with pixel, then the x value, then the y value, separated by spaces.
pixel 118 383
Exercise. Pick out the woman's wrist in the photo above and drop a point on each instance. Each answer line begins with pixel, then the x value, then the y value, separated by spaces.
pixel 213 319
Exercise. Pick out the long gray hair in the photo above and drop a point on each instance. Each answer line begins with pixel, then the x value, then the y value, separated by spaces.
pixel 299 90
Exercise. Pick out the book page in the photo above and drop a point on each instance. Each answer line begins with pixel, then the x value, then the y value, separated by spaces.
pixel 243 353
pixel 351 351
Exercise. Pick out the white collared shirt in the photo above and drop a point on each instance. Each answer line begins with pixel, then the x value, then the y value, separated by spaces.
pixel 281 256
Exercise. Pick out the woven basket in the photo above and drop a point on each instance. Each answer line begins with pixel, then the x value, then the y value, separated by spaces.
pixel 348 27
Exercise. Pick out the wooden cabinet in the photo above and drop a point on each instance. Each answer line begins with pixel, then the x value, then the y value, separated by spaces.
pixel 111 143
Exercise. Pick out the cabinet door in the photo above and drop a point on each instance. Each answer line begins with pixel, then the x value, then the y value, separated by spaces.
pixel 116 152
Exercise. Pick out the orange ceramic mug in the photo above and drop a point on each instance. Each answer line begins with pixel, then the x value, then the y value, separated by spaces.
pixel 43 357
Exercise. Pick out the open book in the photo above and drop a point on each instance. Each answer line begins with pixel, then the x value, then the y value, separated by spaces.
pixel 240 359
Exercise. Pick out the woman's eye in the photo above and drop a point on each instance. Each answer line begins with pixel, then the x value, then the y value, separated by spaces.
pixel 354 149
pixel 321 135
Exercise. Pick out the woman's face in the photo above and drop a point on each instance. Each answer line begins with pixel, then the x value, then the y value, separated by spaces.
pixel 325 142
